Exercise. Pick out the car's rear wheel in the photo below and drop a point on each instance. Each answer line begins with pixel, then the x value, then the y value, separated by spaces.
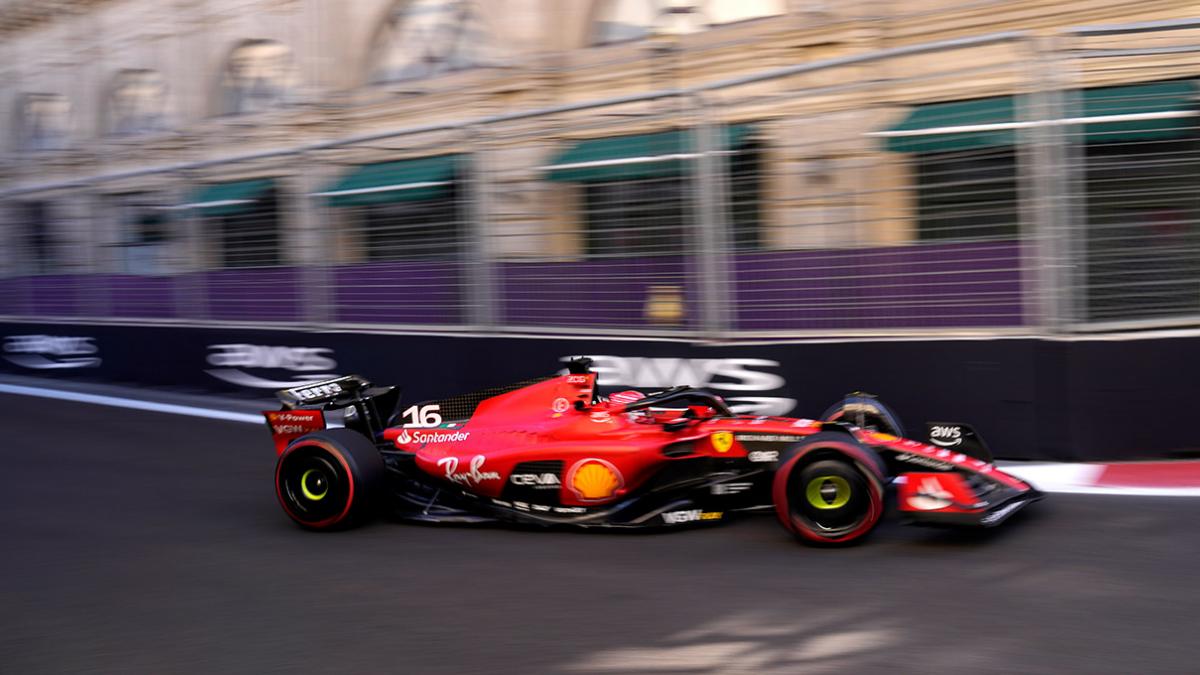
pixel 826 495
pixel 329 479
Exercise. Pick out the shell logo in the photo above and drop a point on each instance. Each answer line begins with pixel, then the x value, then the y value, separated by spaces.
pixel 594 479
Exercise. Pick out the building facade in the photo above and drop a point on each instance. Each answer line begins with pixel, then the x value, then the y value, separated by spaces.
pixel 712 167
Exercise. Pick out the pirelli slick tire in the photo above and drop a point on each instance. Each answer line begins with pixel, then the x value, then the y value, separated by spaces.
pixel 330 480
pixel 828 490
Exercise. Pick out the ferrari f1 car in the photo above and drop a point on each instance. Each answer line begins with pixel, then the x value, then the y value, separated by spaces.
pixel 553 452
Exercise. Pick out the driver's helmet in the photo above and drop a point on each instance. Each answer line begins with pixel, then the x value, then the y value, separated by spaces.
pixel 626 397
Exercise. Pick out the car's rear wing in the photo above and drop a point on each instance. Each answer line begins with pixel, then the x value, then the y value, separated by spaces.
pixel 369 409
pixel 323 391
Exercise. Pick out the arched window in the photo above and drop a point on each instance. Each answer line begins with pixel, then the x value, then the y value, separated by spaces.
pixel 259 75
pixel 137 102
pixel 423 38
pixel 44 121
pixel 624 20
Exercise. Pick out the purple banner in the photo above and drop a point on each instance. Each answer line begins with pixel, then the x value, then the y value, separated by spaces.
pixel 410 292
pixel 965 285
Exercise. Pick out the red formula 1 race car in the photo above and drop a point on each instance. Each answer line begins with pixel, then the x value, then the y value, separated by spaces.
pixel 552 452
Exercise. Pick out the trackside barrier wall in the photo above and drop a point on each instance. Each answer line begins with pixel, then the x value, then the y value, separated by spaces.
pixel 1078 399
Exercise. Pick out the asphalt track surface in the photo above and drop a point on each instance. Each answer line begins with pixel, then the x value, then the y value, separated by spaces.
pixel 141 542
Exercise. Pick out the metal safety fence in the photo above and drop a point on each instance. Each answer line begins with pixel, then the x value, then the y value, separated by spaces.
pixel 1003 183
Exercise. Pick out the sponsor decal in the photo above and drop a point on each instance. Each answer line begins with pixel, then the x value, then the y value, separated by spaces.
pixel 569 509
pixel 594 479
pixel 318 391
pixel 731 488
pixel 690 516
pixel 946 436
pixel 930 496
pixel 600 416
pixel 46 352
pixel 722 441
pixel 472 476
pixel 309 364
pixel 439 436
pixel 560 405
pixel 295 422
pixel 748 377
pixel 425 437
pixel 763 456
pixel 577 379
pixel 805 423
pixel 540 481
pixel 922 460
pixel 766 438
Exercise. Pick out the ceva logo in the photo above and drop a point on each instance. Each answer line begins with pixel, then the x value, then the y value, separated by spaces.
pixel 309 364
pixel 744 376
pixel 44 352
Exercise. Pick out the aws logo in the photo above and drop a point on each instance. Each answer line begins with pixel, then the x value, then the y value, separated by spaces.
pixel 45 352
pixel 946 436
pixel 305 364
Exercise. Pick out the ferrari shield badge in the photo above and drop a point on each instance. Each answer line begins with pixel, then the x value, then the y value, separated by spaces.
pixel 722 441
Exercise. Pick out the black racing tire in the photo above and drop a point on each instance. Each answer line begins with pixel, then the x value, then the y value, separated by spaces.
pixel 330 480
pixel 828 491
pixel 867 412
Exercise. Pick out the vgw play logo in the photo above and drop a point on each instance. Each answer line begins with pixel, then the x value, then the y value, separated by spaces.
pixel 300 365
pixel 45 352
pixel 742 377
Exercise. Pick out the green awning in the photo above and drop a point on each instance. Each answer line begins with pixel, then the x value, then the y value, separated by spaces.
pixel 223 199
pixel 665 153
pixel 406 180
pixel 980 111
pixel 1173 105
pixel 1153 98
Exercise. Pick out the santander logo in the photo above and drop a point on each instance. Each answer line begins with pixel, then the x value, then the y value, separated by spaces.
pixel 426 437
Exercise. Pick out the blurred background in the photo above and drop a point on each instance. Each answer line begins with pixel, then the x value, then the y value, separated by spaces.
pixel 983 211
pixel 698 168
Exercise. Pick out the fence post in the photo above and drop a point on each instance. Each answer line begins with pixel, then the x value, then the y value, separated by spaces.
pixel 316 247
pixel 1043 170
pixel 192 294
pixel 99 297
pixel 480 272
pixel 710 268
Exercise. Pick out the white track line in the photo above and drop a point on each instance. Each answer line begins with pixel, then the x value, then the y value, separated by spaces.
pixel 1080 479
pixel 1046 476
pixel 133 404
pixel 1123 491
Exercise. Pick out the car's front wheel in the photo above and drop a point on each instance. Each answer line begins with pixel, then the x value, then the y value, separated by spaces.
pixel 827 494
